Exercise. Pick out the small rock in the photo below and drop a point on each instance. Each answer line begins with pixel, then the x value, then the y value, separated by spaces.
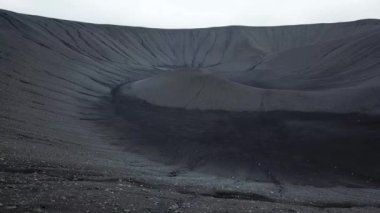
pixel 173 207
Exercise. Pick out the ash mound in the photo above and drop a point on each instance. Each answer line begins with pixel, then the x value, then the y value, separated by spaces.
pixel 192 90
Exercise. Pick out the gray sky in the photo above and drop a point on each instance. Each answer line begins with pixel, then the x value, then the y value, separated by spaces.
pixel 199 13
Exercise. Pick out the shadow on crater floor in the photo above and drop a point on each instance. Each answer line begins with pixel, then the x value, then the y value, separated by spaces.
pixel 320 149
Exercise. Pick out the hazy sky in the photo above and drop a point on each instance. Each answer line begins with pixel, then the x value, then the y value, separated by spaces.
pixel 198 13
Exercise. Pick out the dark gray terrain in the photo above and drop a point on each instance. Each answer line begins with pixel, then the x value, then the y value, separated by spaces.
pixel 102 118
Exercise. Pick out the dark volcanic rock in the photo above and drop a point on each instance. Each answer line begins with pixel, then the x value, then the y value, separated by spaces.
pixel 261 119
